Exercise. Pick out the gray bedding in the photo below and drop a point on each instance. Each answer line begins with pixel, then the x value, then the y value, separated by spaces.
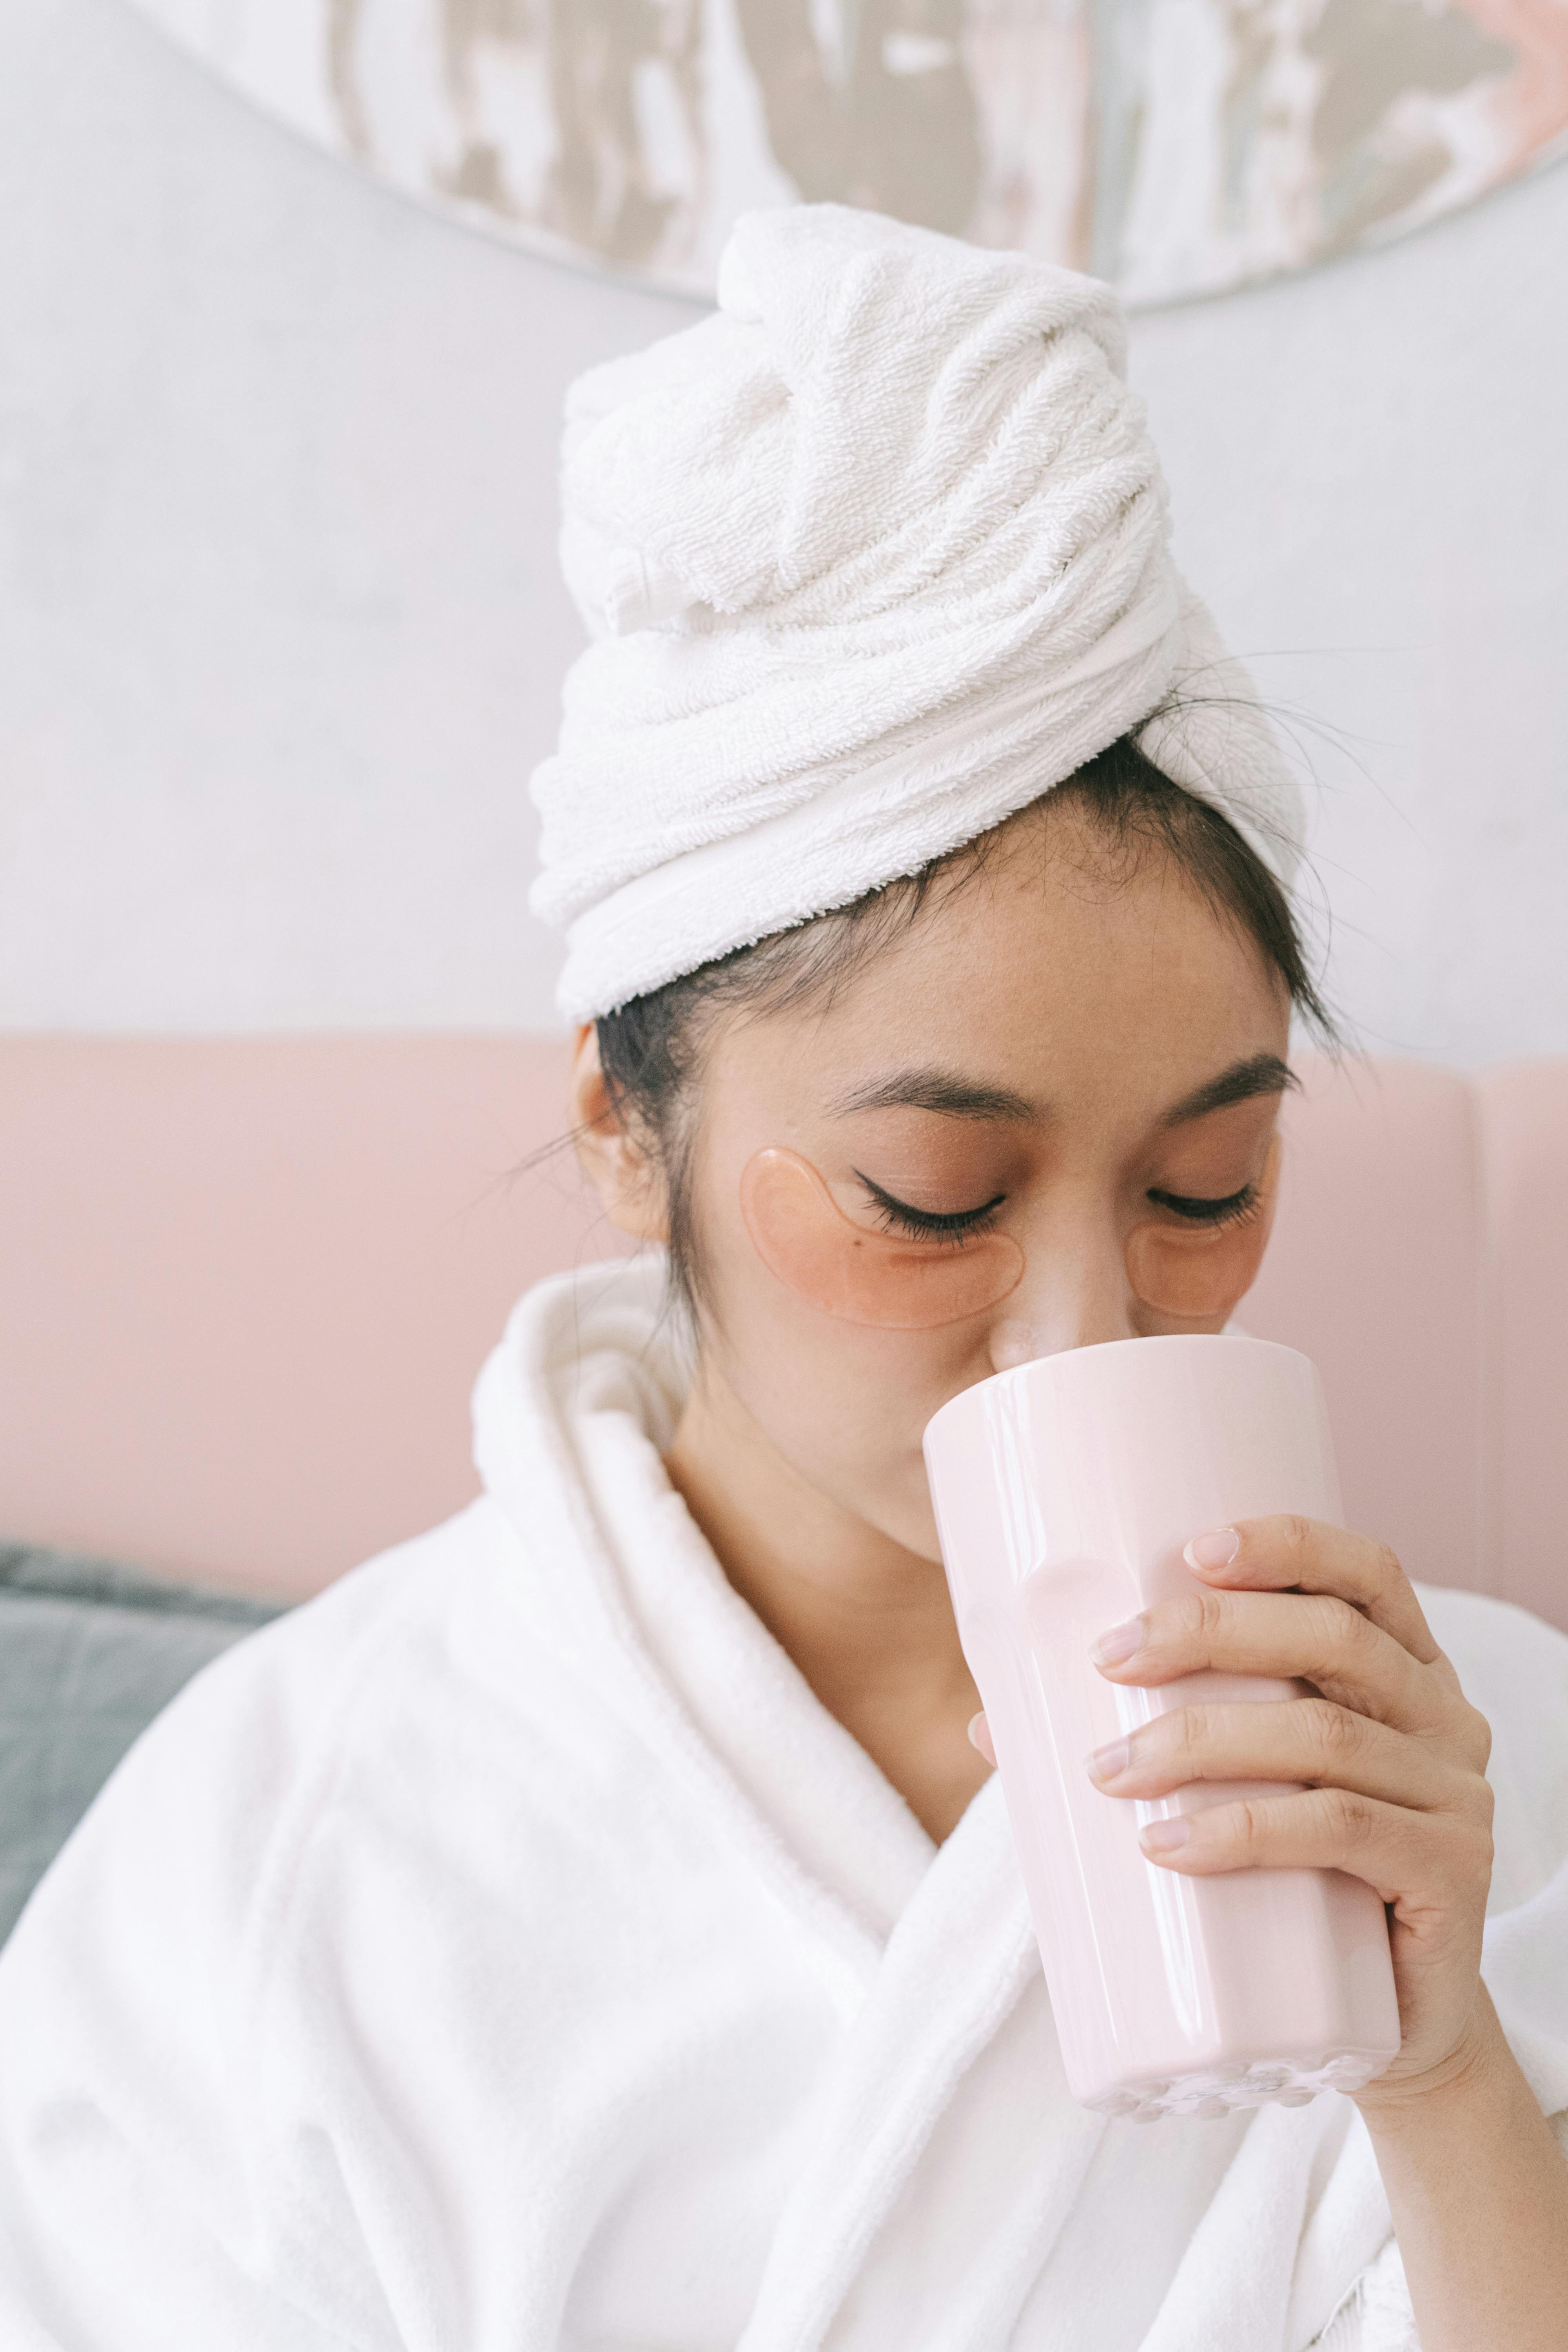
pixel 89 1653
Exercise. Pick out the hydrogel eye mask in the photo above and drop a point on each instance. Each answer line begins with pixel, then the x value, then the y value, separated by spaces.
pixel 1198 1272
pixel 883 1280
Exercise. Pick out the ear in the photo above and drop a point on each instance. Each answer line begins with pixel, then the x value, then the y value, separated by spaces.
pixel 630 1189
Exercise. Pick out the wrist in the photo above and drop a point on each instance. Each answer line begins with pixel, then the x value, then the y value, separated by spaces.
pixel 1479 2062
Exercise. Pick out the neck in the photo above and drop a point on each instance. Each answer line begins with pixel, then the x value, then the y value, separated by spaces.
pixel 868 1622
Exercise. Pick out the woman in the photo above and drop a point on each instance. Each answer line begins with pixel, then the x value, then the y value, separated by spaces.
pixel 592 1926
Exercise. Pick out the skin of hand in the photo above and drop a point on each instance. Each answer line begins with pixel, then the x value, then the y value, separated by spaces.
pixel 1065 1045
pixel 1392 1754
pixel 1392 1758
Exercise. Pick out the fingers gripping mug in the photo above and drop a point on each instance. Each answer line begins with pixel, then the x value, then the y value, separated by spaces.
pixel 1065 1491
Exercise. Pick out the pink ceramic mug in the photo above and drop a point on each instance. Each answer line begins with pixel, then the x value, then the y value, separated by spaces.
pixel 1065 1491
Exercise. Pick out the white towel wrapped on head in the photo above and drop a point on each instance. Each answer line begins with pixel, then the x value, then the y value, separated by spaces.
pixel 871 558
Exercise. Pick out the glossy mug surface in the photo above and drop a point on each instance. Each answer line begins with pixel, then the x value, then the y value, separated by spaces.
pixel 1065 1491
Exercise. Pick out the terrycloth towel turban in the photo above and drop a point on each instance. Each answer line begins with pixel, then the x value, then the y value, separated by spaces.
pixel 871 558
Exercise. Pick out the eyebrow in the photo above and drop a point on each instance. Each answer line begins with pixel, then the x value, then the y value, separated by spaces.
pixel 1262 1074
pixel 955 1098
pixel 938 1090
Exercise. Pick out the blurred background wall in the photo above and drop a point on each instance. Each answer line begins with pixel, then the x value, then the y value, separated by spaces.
pixel 282 634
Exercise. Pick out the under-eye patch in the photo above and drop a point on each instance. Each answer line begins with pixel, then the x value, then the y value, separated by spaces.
pixel 886 1280
pixel 1198 1272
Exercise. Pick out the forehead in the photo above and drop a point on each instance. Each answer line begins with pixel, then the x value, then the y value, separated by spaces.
pixel 1092 987
pixel 1064 937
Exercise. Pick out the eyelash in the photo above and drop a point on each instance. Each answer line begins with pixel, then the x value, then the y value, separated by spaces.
pixel 1234 1210
pixel 931 1224
pixel 964 1224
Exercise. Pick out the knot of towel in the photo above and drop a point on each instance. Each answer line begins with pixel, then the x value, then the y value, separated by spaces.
pixel 870 559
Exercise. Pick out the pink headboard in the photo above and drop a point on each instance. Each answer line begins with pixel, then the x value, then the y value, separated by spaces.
pixel 1421 1258
pixel 247 1286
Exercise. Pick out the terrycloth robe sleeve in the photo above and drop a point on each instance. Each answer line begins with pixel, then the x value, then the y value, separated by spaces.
pixel 149 2199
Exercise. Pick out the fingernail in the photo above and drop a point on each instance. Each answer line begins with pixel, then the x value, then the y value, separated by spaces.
pixel 1119 1643
pixel 1163 1837
pixel 1110 1762
pixel 980 1738
pixel 1215 1550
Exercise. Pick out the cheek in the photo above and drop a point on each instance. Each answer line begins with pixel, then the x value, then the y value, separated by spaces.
pixel 1196 1275
pixel 877 1280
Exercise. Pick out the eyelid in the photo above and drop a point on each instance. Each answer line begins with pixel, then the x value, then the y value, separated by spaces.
pixel 931 1224
pixel 1230 1210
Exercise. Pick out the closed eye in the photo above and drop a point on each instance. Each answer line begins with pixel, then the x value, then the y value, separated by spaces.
pixel 1232 1210
pixel 931 1224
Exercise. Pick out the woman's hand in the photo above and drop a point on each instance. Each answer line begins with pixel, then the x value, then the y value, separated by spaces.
pixel 1392 1753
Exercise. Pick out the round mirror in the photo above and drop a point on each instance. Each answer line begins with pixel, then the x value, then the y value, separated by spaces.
pixel 1177 147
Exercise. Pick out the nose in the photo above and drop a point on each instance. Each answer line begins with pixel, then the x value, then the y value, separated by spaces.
pixel 1074 1294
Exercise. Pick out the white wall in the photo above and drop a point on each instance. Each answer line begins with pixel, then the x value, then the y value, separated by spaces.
pixel 280 632
pixel 1369 471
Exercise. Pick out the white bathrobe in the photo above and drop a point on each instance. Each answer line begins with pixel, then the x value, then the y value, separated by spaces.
pixel 507 1953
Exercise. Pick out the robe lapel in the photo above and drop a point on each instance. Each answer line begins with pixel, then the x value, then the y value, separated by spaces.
pixel 859 2232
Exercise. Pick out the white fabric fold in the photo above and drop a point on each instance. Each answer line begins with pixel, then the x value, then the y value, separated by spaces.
pixel 1376 2315
pixel 872 559
pixel 508 1950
